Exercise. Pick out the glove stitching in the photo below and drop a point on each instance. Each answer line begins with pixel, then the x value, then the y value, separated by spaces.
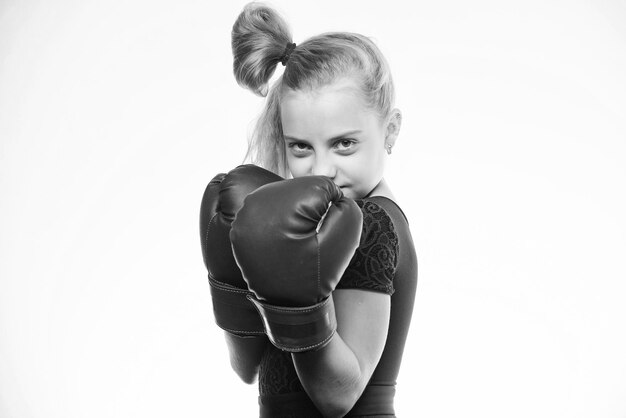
pixel 296 310
pixel 230 290
pixel 238 331
pixel 226 288
pixel 318 264
pixel 206 235
pixel 309 347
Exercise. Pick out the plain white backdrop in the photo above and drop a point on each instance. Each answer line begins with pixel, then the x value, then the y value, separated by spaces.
pixel 510 165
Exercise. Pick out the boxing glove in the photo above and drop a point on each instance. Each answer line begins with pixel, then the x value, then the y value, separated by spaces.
pixel 293 240
pixel 222 198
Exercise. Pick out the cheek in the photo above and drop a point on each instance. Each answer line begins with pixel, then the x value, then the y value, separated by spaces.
pixel 366 170
pixel 368 163
pixel 298 167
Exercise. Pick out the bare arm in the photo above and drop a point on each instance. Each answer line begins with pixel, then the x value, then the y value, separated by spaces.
pixel 335 376
pixel 245 355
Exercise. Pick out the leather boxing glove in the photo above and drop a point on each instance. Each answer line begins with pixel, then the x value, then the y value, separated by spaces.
pixel 222 199
pixel 293 240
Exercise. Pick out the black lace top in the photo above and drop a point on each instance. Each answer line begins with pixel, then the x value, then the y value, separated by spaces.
pixel 372 267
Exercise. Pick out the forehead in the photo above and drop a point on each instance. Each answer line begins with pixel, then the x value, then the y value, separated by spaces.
pixel 322 111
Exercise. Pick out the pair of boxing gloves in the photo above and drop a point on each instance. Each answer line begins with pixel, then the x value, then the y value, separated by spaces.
pixel 275 249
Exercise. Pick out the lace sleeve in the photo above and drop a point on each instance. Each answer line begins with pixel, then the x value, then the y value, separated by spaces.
pixel 374 263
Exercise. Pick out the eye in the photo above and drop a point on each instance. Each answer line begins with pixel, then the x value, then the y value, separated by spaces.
pixel 344 145
pixel 299 149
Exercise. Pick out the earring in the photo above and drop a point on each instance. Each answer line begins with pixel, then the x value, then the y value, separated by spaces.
pixel 388 149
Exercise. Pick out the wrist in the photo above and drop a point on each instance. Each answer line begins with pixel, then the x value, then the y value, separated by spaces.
pixel 233 311
pixel 298 329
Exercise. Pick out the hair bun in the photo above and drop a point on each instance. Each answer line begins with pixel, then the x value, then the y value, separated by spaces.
pixel 259 36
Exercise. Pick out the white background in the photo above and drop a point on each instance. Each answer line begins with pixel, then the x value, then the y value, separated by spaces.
pixel 114 115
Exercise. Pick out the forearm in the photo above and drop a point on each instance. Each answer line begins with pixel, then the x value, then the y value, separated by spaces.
pixel 332 376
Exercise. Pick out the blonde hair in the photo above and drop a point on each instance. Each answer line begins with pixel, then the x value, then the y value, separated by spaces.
pixel 259 39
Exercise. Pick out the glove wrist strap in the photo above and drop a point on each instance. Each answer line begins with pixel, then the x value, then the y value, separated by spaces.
pixel 233 311
pixel 298 329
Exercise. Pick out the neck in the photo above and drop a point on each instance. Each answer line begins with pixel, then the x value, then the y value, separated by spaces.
pixel 382 189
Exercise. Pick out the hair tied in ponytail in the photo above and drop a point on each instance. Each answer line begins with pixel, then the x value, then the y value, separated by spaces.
pixel 288 50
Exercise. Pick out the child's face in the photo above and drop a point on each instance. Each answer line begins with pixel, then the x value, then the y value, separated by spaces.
pixel 331 132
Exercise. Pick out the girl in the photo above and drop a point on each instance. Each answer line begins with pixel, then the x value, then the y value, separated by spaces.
pixel 331 113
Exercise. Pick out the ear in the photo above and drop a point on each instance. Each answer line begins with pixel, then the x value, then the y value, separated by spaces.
pixel 393 127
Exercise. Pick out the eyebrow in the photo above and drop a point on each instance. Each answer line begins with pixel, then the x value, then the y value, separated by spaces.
pixel 343 135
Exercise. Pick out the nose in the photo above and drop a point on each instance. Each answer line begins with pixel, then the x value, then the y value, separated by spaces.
pixel 323 166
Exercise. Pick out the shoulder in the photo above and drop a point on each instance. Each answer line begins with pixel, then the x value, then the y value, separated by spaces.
pixel 375 261
pixel 392 208
pixel 378 225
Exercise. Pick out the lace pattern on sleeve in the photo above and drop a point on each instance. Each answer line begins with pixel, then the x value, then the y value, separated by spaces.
pixel 277 374
pixel 374 263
